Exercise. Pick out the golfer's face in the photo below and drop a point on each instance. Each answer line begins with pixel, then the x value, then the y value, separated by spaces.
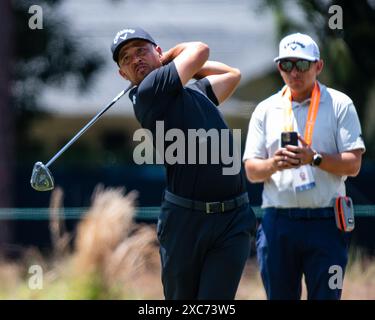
pixel 300 81
pixel 137 59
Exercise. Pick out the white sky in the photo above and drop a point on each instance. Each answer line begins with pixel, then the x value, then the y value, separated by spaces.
pixel 238 34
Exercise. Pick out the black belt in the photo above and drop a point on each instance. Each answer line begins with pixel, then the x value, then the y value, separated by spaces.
pixel 207 207
pixel 304 213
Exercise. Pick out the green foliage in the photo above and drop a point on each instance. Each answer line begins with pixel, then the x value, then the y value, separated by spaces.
pixel 48 56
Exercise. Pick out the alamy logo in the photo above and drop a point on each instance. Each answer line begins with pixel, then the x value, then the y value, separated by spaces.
pixel 214 146
pixel 36 20
pixel 293 45
pixel 337 278
pixel 336 20
pixel 36 278
pixel 122 35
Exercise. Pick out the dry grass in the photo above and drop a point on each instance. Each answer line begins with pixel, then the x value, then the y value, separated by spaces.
pixel 110 247
pixel 105 226
pixel 359 282
pixel 114 258
pixel 59 237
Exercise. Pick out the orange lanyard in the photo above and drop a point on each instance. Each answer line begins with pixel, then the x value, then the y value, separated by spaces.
pixel 311 116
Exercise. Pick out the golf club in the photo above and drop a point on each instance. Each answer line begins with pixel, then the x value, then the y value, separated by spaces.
pixel 41 177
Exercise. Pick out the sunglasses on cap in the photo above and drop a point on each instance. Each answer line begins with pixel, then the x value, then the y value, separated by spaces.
pixel 301 65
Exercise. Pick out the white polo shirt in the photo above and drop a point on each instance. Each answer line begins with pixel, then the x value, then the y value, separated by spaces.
pixel 337 129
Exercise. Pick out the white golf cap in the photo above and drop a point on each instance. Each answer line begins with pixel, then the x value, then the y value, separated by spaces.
pixel 298 45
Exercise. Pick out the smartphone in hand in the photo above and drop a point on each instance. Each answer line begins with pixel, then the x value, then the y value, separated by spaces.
pixel 289 138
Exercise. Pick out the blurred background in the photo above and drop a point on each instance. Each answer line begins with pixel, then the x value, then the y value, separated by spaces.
pixel 55 78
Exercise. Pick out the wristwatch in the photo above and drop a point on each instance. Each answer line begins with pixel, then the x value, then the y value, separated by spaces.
pixel 317 159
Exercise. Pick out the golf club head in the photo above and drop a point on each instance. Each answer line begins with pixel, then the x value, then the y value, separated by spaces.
pixel 41 178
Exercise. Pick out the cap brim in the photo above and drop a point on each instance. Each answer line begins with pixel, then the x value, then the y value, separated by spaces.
pixel 297 56
pixel 121 44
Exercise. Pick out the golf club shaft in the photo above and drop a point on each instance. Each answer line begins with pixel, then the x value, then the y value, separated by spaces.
pixel 92 121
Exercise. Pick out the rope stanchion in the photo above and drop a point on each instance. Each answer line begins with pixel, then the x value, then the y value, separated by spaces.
pixel 142 213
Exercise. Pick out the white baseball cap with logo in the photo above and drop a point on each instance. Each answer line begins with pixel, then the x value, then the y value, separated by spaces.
pixel 298 45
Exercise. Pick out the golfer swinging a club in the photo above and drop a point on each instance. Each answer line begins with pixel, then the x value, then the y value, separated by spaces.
pixel 206 222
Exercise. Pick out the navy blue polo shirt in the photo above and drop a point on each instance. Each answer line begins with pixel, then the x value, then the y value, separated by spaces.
pixel 162 97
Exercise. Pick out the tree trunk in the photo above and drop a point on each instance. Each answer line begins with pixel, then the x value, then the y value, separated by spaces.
pixel 6 118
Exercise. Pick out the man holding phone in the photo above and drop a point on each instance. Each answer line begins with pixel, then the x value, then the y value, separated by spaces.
pixel 302 144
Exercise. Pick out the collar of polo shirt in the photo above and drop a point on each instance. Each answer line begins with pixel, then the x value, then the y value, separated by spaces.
pixel 323 96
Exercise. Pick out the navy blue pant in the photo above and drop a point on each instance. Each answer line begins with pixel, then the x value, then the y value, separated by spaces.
pixel 203 255
pixel 290 246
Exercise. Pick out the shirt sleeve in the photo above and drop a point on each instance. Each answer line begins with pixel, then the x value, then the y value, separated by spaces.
pixel 255 146
pixel 204 86
pixel 349 133
pixel 155 93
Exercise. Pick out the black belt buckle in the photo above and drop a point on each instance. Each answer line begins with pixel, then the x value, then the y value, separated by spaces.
pixel 212 207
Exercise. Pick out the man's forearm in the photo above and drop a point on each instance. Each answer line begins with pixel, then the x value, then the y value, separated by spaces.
pixel 223 79
pixel 260 170
pixel 347 163
pixel 213 68
pixel 172 53
pixel 188 57
pixel 342 164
